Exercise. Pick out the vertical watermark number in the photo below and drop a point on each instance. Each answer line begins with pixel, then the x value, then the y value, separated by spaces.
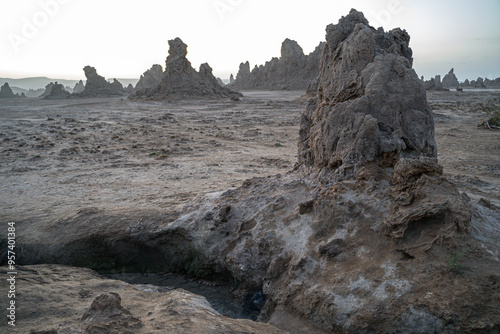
pixel 11 273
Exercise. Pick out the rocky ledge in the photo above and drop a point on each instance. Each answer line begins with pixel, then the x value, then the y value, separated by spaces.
pixel 76 300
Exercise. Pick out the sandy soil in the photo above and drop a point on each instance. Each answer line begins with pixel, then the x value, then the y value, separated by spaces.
pixel 59 157
pixel 118 155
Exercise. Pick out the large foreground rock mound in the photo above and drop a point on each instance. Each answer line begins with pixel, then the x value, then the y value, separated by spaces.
pixel 96 85
pixel 292 71
pixel 180 80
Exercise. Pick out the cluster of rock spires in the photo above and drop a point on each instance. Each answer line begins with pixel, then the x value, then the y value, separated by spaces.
pixel 451 81
pixel 95 86
pixel 292 71
pixel 180 80
pixel 355 238
pixel 7 93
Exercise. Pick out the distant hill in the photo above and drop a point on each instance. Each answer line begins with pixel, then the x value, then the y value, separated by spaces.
pixel 41 82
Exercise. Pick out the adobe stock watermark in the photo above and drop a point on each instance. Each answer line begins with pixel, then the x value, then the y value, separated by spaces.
pixel 31 26
pixel 383 17
pixel 222 7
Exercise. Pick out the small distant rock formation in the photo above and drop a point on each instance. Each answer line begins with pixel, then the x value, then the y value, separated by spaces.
pixel 219 80
pixel 117 86
pixel 481 83
pixel 129 89
pixel 450 80
pixel 181 81
pixel 79 87
pixel 243 74
pixel 6 92
pixel 150 78
pixel 231 79
pixel 57 92
pixel 478 83
pixel 292 71
pixel 97 86
pixel 48 89
pixel 434 84
pixel 495 83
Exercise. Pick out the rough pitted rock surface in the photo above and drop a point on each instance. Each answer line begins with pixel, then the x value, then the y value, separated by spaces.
pixel 450 80
pixel 6 92
pixel 57 92
pixel 60 299
pixel 371 107
pixel 180 80
pixel 150 78
pixel 96 85
pixel 292 71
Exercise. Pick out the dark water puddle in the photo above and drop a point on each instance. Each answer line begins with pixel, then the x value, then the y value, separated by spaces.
pixel 219 294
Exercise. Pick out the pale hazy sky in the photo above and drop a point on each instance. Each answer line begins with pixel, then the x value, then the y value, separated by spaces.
pixel 123 38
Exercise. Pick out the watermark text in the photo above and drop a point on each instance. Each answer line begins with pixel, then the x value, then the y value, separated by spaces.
pixel 11 273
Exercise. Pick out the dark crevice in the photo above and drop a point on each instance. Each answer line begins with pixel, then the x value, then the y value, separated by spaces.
pixel 168 261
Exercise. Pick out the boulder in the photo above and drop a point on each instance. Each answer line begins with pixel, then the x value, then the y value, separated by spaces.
pixel 180 80
pixel 450 80
pixel 150 78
